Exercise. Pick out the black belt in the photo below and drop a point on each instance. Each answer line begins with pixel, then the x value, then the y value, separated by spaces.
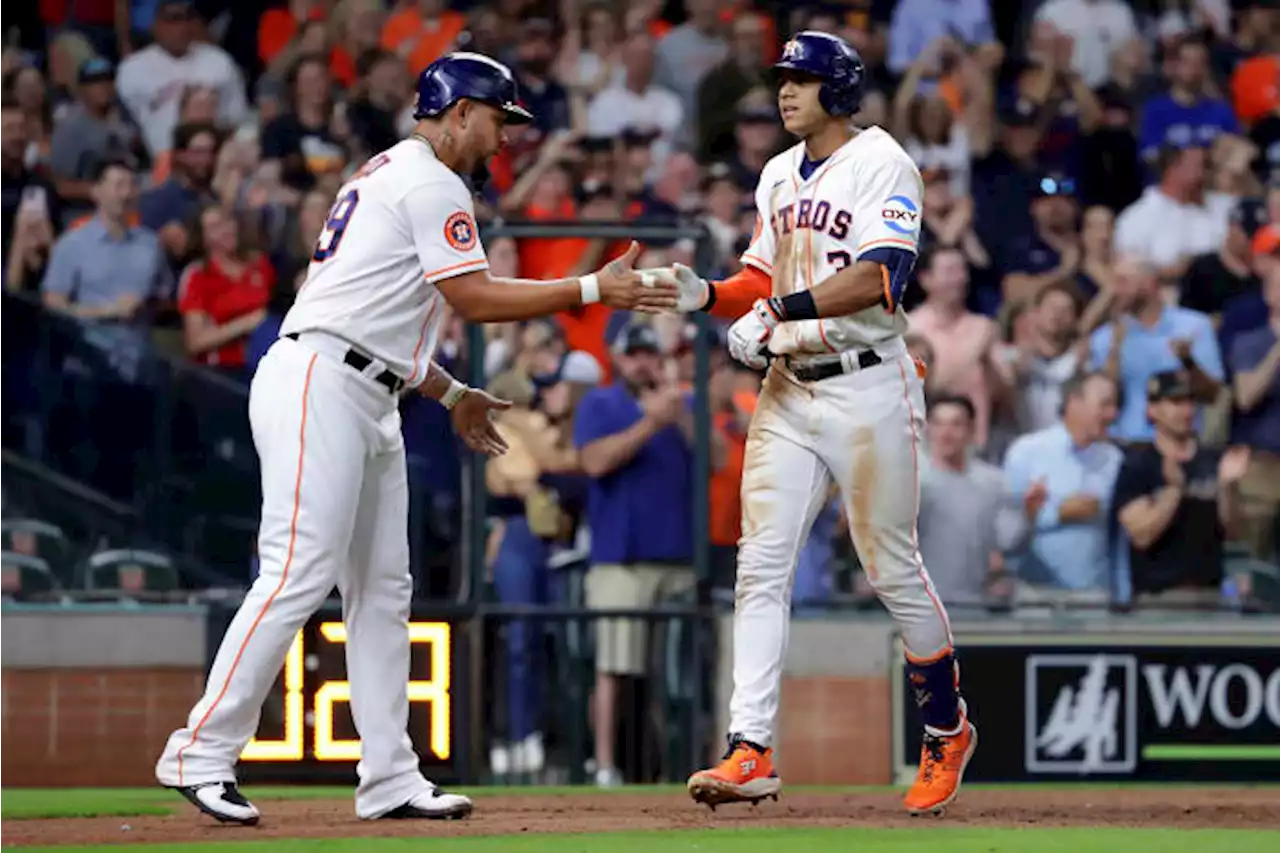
pixel 361 362
pixel 827 369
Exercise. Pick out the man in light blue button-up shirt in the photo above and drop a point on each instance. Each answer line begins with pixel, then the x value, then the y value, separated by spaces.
pixel 105 271
pixel 1072 468
pixel 1151 337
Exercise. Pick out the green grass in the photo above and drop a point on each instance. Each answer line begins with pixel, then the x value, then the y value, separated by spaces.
pixel 956 840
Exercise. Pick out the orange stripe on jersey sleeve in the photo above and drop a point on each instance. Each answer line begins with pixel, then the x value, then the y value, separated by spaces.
pixel 887 241
pixel 457 269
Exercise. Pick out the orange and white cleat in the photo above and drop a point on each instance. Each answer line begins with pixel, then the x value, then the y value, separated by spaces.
pixel 746 775
pixel 942 763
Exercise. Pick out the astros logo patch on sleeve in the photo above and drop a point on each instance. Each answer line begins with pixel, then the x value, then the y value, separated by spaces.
pixel 460 231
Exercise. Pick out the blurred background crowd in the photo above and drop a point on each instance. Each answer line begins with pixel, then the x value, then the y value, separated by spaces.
pixel 1097 298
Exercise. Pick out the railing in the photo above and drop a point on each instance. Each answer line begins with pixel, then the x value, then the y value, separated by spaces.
pixel 163 440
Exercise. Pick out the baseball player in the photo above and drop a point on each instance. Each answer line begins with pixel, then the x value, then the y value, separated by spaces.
pixel 817 303
pixel 400 248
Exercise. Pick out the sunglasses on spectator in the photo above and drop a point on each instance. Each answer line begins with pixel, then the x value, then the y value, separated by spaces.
pixel 1057 186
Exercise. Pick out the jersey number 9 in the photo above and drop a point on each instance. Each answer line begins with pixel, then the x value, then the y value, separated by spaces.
pixel 336 225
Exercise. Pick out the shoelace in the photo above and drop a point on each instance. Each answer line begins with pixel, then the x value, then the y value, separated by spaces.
pixel 935 748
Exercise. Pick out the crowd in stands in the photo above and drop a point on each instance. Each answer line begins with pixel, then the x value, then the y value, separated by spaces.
pixel 1097 298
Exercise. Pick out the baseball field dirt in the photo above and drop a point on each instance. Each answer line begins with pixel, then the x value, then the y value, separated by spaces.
pixel 507 816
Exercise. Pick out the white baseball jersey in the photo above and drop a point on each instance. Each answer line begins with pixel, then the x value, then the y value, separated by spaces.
pixel 866 195
pixel 402 223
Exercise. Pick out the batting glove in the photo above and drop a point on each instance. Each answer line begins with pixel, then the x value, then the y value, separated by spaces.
pixel 749 335
pixel 693 290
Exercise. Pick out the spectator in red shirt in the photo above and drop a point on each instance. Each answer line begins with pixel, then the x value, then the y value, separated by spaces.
pixel 223 296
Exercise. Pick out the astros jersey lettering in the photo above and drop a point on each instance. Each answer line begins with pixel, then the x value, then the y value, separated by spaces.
pixel 335 498
pixel 867 195
pixel 861 431
pixel 403 222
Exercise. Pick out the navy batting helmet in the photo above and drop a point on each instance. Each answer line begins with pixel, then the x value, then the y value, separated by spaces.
pixel 832 60
pixel 468 75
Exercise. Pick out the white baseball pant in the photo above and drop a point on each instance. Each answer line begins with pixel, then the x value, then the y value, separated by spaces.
pixel 864 429
pixel 334 512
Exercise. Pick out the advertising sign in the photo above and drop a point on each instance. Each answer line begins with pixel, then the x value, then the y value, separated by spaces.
pixel 1118 707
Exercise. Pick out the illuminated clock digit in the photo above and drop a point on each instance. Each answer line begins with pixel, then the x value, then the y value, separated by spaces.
pixel 288 748
pixel 433 691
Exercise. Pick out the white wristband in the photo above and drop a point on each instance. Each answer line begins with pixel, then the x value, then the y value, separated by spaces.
pixel 456 392
pixel 590 287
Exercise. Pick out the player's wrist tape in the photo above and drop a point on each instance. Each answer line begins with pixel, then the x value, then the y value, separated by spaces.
pixel 456 392
pixel 711 297
pixel 796 306
pixel 589 285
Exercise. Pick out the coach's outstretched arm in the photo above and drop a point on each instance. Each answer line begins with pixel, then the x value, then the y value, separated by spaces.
pixel 481 298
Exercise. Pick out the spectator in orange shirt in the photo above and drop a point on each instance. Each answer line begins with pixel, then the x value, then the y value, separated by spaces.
pixel 277 27
pixel 223 296
pixel 421 32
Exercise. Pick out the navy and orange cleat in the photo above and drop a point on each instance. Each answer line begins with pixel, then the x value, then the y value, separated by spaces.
pixel 746 775
pixel 942 763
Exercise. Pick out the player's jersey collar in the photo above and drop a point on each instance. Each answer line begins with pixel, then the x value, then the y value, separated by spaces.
pixel 799 159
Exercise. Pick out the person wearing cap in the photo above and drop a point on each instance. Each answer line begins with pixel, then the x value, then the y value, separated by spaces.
pixel 151 81
pixel 536 489
pixel 1050 254
pixel 1188 114
pixel 632 445
pixel 1215 278
pixel 1147 337
pixel 1176 219
pixel 1178 501
pixel 90 132
pixel 1255 366
pixel 1005 174
pixel 535 54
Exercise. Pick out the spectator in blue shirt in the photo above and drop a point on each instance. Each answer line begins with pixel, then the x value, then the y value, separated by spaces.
pixel 169 208
pixel 1068 471
pixel 106 270
pixel 635 449
pixel 1255 365
pixel 1186 115
pixel 916 24
pixel 1149 337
